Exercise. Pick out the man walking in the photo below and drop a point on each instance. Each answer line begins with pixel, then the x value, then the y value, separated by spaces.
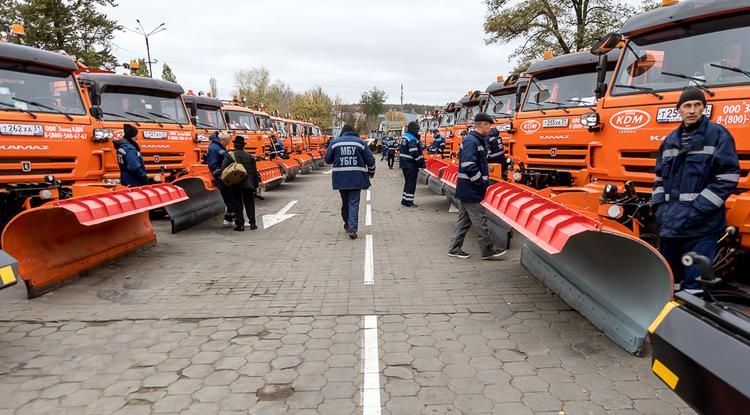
pixel 697 169
pixel 132 168
pixel 470 189
pixel 242 192
pixel 353 166
pixel 217 151
pixel 384 148
pixel 392 147
pixel 411 160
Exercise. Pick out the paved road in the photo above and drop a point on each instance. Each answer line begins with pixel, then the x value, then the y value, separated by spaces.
pixel 280 320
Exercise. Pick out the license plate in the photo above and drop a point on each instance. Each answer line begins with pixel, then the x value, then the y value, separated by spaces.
pixel 670 114
pixel 33 130
pixel 155 134
pixel 555 122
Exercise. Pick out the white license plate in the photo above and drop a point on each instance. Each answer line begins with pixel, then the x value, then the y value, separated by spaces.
pixel 155 134
pixel 555 122
pixel 33 130
pixel 669 114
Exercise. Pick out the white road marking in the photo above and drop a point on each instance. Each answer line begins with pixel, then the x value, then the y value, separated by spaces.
pixel 370 367
pixel 368 215
pixel 328 171
pixel 369 266
pixel 368 196
pixel 280 216
pixel 452 209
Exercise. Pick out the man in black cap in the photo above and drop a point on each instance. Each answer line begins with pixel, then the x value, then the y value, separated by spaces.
pixel 132 167
pixel 242 192
pixel 411 160
pixel 697 169
pixel 473 181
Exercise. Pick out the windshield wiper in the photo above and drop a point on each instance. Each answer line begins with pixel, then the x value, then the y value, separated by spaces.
pixel 560 106
pixel 503 114
pixel 144 117
pixel 205 125
pixel 123 117
pixel 641 88
pixel 581 101
pixel 691 78
pixel 164 116
pixel 731 68
pixel 18 109
pixel 44 106
pixel 538 106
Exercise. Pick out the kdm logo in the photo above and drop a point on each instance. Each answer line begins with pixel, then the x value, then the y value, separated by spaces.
pixel 629 120
pixel 529 126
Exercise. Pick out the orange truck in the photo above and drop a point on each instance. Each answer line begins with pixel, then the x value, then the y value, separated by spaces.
pixel 290 168
pixel 58 217
pixel 503 100
pixel 316 142
pixel 241 121
pixel 291 136
pixel 550 146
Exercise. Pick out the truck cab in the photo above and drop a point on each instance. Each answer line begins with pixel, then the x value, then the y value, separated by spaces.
pixel 165 134
pixel 502 104
pixel 206 116
pixel 445 127
pixel 550 146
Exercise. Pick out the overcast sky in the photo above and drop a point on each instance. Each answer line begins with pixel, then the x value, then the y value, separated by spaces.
pixel 435 48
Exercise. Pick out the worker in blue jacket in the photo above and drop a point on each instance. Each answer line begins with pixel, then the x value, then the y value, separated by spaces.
pixel 132 167
pixel 217 151
pixel 391 150
pixel 438 143
pixel 353 166
pixel 496 151
pixel 411 160
pixel 472 185
pixel 697 169
pixel 277 149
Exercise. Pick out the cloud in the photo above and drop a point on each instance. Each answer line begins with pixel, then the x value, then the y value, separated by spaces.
pixel 434 47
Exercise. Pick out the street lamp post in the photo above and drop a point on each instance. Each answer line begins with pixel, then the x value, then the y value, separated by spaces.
pixel 141 31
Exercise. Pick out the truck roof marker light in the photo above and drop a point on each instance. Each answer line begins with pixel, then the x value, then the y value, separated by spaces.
pixel 190 92
pixel 500 78
pixel 548 54
pixel 17 29
pixel 665 3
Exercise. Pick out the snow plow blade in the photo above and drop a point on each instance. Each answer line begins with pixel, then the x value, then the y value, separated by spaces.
pixel 204 202
pixel 55 242
pixel 317 157
pixel 270 174
pixel 450 181
pixel 305 161
pixel 8 270
pixel 290 168
pixel 433 172
pixel 615 280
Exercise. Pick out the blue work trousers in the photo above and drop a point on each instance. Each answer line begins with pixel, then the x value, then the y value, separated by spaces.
pixel 226 196
pixel 350 208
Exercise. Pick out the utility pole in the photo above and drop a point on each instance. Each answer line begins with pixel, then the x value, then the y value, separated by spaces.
pixel 141 31
pixel 402 98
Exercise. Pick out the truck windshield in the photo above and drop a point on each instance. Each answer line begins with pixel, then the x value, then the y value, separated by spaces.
pixel 709 53
pixel 280 128
pixel 461 117
pixel 241 120
pixel 264 122
pixel 154 106
pixel 556 90
pixel 500 106
pixel 39 90
pixel 447 119
pixel 210 118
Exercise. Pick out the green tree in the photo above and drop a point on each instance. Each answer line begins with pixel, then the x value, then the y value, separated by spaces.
pixel 79 27
pixel 314 105
pixel 372 103
pixel 280 97
pixel 561 26
pixel 253 85
pixel 142 68
pixel 167 74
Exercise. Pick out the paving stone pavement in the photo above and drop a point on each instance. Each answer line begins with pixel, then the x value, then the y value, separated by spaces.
pixel 271 322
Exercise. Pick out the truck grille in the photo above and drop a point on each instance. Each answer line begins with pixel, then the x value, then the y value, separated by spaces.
pixel 171 161
pixel 57 166
pixel 564 157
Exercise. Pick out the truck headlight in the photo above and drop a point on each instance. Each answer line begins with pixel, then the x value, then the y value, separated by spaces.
pixel 103 134
pixel 506 127
pixel 199 137
pixel 590 120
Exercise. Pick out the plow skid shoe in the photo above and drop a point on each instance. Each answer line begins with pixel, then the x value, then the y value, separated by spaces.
pixel 55 242
pixel 204 203
pixel 423 177
pixel 617 281
pixel 305 161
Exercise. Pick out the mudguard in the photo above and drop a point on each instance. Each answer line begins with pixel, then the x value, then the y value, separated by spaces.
pixel 617 281
pixel 204 203
pixel 700 351
pixel 8 270
pixel 56 241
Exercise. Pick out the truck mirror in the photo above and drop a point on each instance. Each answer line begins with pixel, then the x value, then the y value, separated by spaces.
pixel 601 76
pixel 194 119
pixel 96 112
pixel 606 44
pixel 542 96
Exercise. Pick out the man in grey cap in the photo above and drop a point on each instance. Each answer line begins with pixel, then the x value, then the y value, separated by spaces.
pixel 472 184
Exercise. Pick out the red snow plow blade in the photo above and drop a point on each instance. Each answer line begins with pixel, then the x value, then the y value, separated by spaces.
pixel 270 174
pixel 450 181
pixel 56 241
pixel 617 281
pixel 432 173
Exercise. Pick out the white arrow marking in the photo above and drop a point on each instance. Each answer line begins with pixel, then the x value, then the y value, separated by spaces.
pixel 452 208
pixel 328 171
pixel 270 220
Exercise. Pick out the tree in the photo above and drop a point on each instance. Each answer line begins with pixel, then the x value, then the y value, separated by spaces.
pixel 373 104
pixel 253 85
pixel 79 27
pixel 314 105
pixel 214 88
pixel 280 98
pixel 561 26
pixel 167 74
pixel 393 115
pixel 142 68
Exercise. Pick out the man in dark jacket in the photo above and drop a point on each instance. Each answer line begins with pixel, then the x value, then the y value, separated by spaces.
pixel 217 151
pixel 242 193
pixel 132 167
pixel 353 166
pixel 411 160
pixel 392 147
pixel 472 184
pixel 277 149
pixel 438 143
pixel 697 169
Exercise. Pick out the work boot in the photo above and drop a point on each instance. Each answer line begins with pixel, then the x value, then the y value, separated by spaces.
pixel 459 254
pixel 497 253
pixel 253 227
pixel 239 228
pixel 409 205
pixel 352 234
pixel 259 197
pixel 346 228
pixel 229 222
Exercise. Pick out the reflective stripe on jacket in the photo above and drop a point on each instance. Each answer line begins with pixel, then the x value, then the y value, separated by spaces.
pixel 693 182
pixel 352 160
pixel 473 170
pixel 410 152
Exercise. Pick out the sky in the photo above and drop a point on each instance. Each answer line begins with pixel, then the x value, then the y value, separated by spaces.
pixel 435 48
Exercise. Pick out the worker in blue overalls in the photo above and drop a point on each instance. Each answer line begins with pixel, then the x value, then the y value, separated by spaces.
pixel 411 160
